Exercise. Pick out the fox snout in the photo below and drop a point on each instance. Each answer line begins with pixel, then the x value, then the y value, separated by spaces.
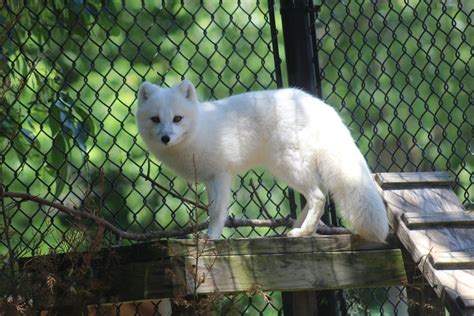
pixel 165 139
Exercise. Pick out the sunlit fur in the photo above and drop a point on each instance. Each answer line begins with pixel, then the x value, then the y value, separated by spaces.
pixel 298 138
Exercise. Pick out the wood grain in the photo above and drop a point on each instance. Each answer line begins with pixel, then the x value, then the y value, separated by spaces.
pixel 165 269
pixel 452 260
pixel 275 245
pixel 436 230
pixel 415 220
pixel 300 271
pixel 405 180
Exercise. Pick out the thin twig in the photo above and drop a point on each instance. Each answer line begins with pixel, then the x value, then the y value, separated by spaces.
pixel 262 206
pixel 173 193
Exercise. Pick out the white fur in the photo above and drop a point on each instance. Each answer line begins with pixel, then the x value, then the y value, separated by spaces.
pixel 298 138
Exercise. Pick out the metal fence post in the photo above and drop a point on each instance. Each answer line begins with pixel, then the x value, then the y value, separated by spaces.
pixel 298 45
pixel 302 66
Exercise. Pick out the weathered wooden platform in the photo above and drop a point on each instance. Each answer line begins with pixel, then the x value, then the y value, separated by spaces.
pixel 436 230
pixel 181 267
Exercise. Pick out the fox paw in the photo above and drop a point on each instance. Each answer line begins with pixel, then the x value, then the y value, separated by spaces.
pixel 298 232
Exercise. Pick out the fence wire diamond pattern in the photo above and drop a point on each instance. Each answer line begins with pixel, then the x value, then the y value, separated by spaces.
pixel 399 73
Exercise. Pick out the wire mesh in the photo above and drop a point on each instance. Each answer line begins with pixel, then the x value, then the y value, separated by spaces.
pixel 398 72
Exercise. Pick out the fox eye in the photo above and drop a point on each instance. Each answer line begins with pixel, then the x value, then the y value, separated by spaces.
pixel 177 119
pixel 155 119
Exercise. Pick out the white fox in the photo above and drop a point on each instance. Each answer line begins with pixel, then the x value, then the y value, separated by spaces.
pixel 297 137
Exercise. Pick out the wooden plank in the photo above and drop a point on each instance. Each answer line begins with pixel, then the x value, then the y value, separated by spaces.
pixel 153 270
pixel 452 260
pixel 405 180
pixel 300 271
pixel 151 250
pixel 420 200
pixel 415 220
pixel 430 246
pixel 275 245
pixel 421 243
pixel 427 201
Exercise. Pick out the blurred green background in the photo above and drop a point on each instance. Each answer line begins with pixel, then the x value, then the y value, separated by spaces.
pixel 399 72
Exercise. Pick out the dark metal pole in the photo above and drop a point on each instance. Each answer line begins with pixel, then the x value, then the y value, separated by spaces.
pixel 298 45
pixel 302 64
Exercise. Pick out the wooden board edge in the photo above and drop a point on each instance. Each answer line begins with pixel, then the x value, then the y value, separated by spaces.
pixel 414 220
pixel 402 180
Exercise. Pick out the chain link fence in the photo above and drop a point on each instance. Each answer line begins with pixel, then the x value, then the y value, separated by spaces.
pixel 401 75
pixel 398 72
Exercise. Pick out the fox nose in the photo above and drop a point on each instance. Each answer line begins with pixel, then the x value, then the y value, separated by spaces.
pixel 165 139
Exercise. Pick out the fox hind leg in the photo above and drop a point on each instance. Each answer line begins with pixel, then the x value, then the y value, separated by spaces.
pixel 299 220
pixel 314 210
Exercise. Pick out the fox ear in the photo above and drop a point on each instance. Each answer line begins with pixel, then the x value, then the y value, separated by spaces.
pixel 187 89
pixel 146 89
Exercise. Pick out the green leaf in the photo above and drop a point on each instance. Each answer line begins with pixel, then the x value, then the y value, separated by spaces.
pixel 67 123
pixel 109 20
pixel 55 119
pixel 86 120
pixel 86 128
pixel 92 9
pixel 21 146
pixel 4 68
pixel 66 99
pixel 81 138
pixel 57 163
pixel 28 135
pixel 115 31
pixel 76 6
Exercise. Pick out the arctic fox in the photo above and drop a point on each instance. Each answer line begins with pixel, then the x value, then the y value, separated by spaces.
pixel 297 137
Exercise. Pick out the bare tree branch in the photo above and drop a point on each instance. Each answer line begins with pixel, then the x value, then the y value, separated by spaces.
pixel 231 222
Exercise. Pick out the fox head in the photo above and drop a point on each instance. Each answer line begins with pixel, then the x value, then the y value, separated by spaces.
pixel 166 116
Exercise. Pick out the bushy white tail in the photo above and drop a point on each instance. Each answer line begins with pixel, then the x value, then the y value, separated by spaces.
pixel 359 201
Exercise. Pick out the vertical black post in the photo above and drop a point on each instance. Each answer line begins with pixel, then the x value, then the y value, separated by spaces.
pixel 303 72
pixel 299 50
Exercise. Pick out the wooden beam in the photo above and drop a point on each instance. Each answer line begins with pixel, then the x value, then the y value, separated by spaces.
pixel 420 200
pixel 452 260
pixel 401 180
pixel 297 272
pixel 166 269
pixel 268 245
pixel 415 220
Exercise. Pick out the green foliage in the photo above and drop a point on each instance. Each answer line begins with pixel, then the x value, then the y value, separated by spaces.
pixel 35 95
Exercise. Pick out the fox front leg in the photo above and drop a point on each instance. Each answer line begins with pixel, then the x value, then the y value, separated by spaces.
pixel 218 191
